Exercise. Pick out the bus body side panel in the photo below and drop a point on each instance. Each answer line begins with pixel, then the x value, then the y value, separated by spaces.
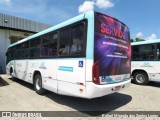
pixel 25 69
pixel 20 68
pixel 71 76
pixel 9 66
pixel 17 69
pixel 156 75
pixel 8 69
pixel 150 67
pixel 12 64
pixel 48 71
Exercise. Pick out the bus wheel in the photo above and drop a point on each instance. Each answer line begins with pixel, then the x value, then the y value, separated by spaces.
pixel 38 84
pixel 140 78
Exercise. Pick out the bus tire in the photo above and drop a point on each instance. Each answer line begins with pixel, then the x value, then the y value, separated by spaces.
pixel 140 78
pixel 38 84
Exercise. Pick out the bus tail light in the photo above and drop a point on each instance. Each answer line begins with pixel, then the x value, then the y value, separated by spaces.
pixel 95 73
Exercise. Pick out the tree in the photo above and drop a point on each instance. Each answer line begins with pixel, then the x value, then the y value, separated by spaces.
pixel 138 40
pixel 131 40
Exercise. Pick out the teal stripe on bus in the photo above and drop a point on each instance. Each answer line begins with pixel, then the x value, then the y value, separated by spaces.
pixel 90 35
pixel 146 42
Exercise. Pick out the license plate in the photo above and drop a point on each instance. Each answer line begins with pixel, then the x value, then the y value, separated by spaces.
pixel 117 88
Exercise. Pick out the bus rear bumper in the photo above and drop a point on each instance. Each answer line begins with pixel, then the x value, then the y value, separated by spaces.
pixel 94 91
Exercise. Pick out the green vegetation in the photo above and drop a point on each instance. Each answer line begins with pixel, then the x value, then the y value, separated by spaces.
pixel 136 40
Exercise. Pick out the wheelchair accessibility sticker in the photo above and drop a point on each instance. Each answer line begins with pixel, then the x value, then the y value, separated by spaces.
pixel 80 63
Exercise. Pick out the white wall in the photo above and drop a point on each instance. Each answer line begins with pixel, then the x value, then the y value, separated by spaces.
pixel 5 42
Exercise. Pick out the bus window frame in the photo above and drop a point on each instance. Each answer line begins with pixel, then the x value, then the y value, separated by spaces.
pixel 70 26
pixel 50 34
pixel 85 23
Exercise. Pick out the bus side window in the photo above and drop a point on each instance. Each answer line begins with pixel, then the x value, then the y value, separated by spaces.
pixel 45 46
pixel 35 46
pixel 147 51
pixel 49 45
pixel 64 42
pixel 24 50
pixel 17 51
pixel 158 51
pixel 53 45
pixel 8 55
pixel 77 40
pixel 135 53
pixel 143 52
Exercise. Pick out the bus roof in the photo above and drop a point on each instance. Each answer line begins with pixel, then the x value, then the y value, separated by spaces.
pixel 146 42
pixel 89 14
pixel 63 24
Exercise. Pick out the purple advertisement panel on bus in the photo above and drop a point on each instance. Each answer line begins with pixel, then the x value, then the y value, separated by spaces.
pixel 112 50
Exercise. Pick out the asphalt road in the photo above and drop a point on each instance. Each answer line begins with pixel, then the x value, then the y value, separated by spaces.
pixel 20 96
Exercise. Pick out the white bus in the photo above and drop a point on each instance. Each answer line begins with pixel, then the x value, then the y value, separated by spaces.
pixel 87 56
pixel 145 65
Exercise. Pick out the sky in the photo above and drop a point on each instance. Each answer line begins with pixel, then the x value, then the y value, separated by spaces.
pixel 141 16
